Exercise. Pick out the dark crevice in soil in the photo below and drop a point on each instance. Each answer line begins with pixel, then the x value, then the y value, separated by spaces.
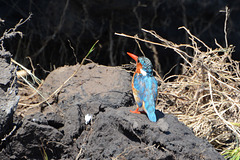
pixel 55 124
pixel 101 109
pixel 159 146
pixel 129 135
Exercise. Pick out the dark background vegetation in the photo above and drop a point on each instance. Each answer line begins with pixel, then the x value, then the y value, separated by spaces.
pixel 82 22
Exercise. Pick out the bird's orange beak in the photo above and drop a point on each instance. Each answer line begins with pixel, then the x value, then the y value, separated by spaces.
pixel 133 56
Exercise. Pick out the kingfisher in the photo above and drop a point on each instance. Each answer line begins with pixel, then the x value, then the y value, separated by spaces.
pixel 144 87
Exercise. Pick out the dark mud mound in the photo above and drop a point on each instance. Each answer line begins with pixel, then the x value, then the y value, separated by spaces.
pixel 61 131
pixel 122 135
pixel 8 94
pixel 93 85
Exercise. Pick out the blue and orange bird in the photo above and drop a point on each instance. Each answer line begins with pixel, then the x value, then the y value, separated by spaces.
pixel 144 87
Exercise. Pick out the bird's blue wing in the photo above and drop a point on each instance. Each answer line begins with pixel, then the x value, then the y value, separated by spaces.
pixel 150 97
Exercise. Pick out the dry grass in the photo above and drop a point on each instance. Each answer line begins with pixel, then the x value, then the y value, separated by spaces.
pixel 206 96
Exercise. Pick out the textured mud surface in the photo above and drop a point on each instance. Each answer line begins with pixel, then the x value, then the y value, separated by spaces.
pixel 113 132
pixel 8 93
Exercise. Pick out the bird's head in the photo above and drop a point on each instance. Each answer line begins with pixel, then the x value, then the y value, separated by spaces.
pixel 144 65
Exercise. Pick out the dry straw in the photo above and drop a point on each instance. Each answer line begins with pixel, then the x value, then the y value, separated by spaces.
pixel 206 96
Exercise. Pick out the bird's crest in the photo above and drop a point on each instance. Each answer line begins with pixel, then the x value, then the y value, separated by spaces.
pixel 146 65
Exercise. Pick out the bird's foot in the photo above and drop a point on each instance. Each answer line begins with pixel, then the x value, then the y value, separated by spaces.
pixel 137 112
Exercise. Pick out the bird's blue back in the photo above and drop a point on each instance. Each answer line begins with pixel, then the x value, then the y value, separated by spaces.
pixel 146 93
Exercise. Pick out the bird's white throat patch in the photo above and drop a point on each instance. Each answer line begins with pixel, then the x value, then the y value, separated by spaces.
pixel 144 73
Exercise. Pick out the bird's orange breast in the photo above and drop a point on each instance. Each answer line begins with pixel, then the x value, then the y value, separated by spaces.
pixel 135 91
pixel 138 67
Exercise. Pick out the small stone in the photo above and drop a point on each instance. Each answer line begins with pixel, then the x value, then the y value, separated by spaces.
pixel 88 118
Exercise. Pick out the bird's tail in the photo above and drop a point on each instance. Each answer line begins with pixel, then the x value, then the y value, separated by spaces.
pixel 152 116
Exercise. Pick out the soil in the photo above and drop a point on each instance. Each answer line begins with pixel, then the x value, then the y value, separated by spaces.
pixel 8 93
pixel 60 130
